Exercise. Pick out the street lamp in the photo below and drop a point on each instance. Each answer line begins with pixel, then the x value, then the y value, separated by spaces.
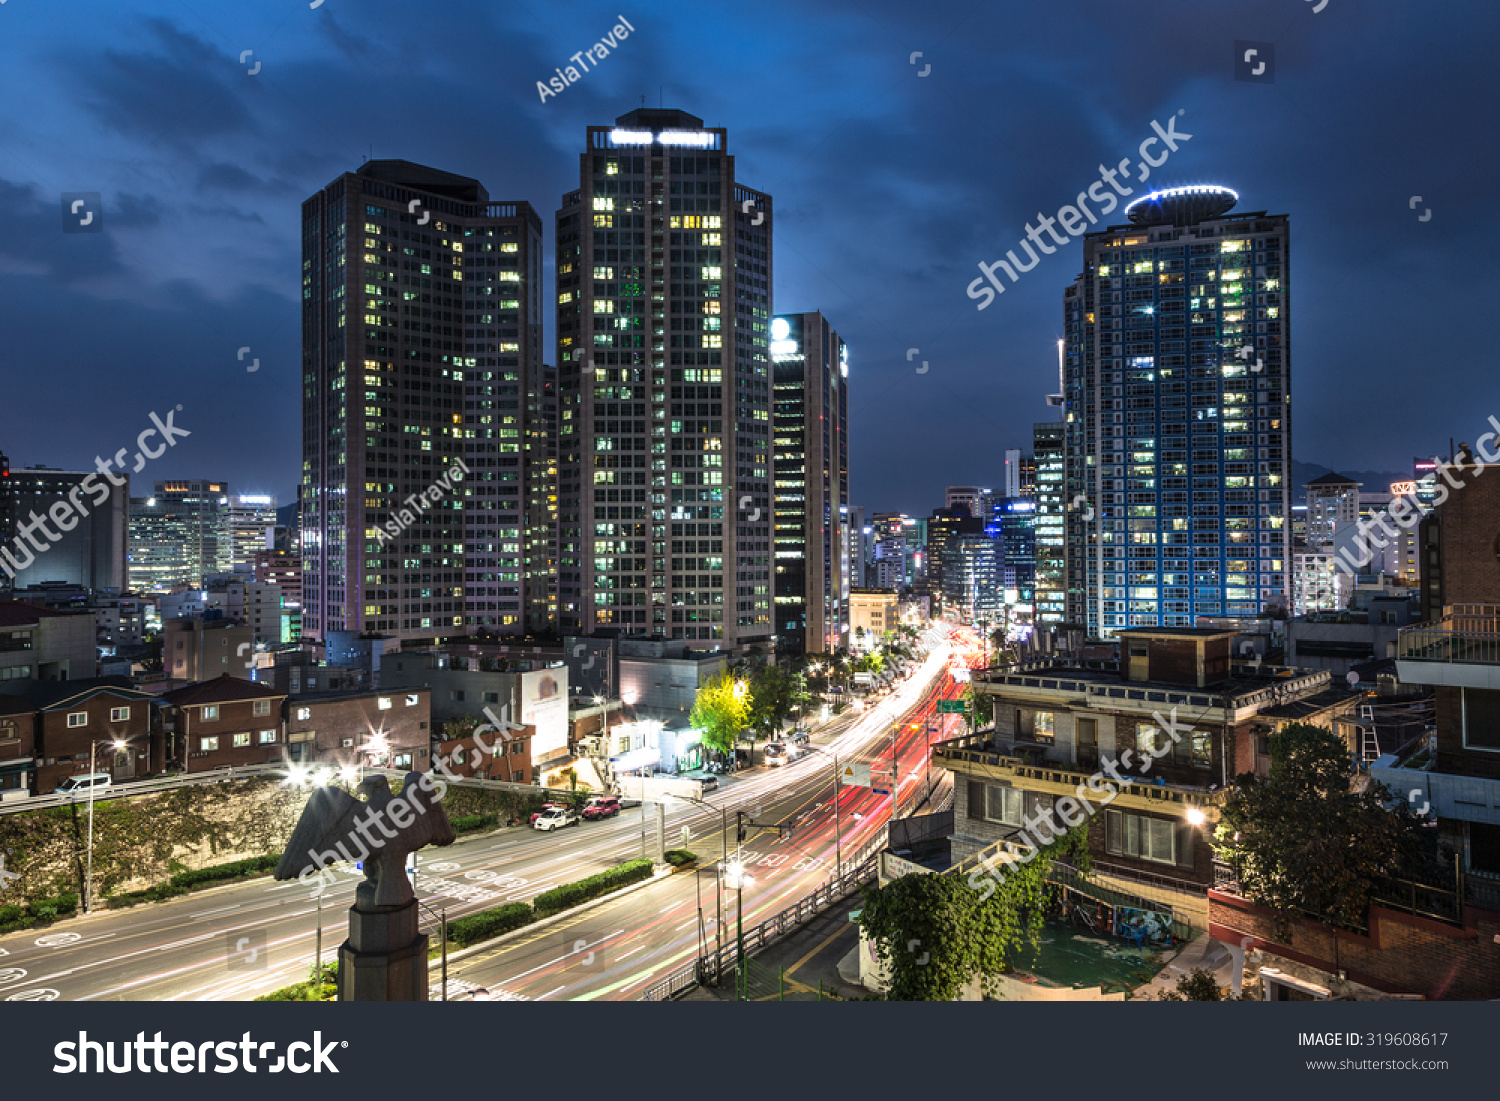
pixel 735 877
pixel 723 863
pixel 118 744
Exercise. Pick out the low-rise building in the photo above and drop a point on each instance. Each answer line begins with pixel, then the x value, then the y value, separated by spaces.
pixel 660 678
pixel 224 723
pixel 17 746
pixel 1166 732
pixel 373 728
pixel 195 650
pixel 40 644
pixel 98 713
pixel 872 612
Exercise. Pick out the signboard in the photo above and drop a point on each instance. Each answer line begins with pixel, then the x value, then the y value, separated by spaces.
pixel 544 705
pixel 853 774
pixel 952 707
pixel 1403 489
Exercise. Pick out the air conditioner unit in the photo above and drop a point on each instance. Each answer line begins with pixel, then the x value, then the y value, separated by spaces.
pixel 346 743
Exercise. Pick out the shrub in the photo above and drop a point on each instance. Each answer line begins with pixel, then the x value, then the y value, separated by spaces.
pixel 1198 986
pixel 470 822
pixel 183 882
pixel 489 923
pixel 678 857
pixel 567 895
pixel 317 988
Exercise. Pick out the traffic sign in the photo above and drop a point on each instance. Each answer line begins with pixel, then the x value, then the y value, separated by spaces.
pixel 854 774
pixel 952 707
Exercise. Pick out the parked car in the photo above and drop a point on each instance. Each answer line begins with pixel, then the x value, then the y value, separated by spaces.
pixel 556 819
pixel 544 809
pixel 601 806
pixel 709 782
pixel 81 785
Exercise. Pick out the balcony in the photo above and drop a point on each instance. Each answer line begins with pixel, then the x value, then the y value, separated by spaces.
pixel 1023 767
pixel 1460 650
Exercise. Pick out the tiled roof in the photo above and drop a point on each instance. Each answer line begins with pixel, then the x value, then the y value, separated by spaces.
pixel 225 689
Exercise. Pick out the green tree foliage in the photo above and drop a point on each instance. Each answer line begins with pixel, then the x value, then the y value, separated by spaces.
pixel 774 695
pixel 937 933
pixel 1304 843
pixel 721 710
pixel 1198 986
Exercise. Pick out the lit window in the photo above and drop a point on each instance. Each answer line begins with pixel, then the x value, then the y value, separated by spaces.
pixel 119 714
pixel 77 719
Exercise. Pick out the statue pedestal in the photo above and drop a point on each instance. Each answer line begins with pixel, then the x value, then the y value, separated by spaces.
pixel 385 957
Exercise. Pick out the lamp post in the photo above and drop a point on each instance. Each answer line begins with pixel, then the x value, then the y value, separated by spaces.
pixel 723 863
pixel 736 880
pixel 119 745
pixel 838 836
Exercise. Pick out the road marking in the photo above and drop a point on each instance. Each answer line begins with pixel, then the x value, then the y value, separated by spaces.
pixel 185 943
pixel 549 993
pixel 633 951
pixel 212 913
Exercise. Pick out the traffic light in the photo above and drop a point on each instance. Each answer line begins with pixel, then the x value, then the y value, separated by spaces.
pixel 739 826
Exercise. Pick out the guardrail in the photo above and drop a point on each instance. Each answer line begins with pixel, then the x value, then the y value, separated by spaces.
pixel 775 928
pixel 142 787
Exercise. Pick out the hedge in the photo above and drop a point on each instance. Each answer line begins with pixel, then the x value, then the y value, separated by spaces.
pixel 567 895
pixel 471 822
pixel 184 882
pixel 677 857
pixel 490 923
pixel 14 917
pixel 310 991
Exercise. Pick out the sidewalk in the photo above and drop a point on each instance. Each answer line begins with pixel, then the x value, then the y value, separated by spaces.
pixel 1202 951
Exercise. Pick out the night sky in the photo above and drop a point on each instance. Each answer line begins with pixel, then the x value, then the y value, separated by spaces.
pixel 890 187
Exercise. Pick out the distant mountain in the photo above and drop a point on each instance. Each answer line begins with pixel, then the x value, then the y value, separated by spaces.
pixel 1371 481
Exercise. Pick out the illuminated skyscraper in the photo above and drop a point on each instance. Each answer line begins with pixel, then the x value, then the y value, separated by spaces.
pixel 810 455
pixel 423 391
pixel 663 288
pixel 1178 441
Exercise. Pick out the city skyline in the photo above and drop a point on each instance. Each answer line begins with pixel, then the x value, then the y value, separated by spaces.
pixel 868 235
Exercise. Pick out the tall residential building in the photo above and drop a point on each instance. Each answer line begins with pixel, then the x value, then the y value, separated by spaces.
pixel 252 526
pixel 1050 537
pixel 541 504
pixel 893 563
pixel 37 549
pixel 858 547
pixel 1178 432
pixel 810 460
pixel 664 299
pixel 1331 500
pixel 418 407
pixel 179 536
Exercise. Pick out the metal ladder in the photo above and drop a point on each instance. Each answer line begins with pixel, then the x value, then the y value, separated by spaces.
pixel 1369 744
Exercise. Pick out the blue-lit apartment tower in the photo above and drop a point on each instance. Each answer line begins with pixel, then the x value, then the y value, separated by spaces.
pixel 1178 440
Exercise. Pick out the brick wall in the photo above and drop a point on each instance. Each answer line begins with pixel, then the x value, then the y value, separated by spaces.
pixel 1403 954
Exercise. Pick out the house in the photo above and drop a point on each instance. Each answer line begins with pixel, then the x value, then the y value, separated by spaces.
pixel 17 746
pixel 103 714
pixel 42 644
pixel 222 723
pixel 1167 731
pixel 382 729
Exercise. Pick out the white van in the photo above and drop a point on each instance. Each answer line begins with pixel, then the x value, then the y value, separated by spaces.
pixel 81 785
pixel 775 754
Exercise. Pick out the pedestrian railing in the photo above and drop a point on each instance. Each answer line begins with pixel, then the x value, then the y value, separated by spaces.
pixel 708 969
pixel 144 787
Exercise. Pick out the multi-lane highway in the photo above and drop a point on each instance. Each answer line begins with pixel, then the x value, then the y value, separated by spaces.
pixel 243 940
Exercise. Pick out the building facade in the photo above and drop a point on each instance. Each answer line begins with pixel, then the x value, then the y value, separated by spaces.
pixel 810 462
pixel 179 536
pixel 419 403
pixel 35 547
pixel 664 262
pixel 1177 372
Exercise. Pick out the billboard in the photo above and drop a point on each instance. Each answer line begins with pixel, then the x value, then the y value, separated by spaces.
pixel 544 705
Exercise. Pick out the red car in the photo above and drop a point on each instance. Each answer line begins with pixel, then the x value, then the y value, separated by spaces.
pixel 601 806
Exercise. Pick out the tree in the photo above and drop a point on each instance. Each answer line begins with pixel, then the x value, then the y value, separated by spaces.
pixel 1303 843
pixel 1198 986
pixel 721 710
pixel 937 933
pixel 774 695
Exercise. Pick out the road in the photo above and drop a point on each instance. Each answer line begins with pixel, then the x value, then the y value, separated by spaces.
pixel 200 947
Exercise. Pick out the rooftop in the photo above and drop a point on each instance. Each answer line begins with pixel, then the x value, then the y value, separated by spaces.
pixel 224 689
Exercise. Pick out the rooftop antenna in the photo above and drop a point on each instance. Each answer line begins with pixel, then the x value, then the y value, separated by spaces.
pixel 643 101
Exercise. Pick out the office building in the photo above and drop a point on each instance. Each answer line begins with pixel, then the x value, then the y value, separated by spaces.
pixel 179 535
pixel 858 547
pixel 664 265
pixel 975 500
pixel 1177 423
pixel 252 527
pixel 810 462
pixel 1050 537
pixel 419 406
pixel 893 538
pixel 36 549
